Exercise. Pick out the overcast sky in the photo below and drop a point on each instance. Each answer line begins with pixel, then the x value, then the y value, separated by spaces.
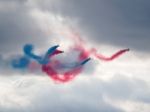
pixel 119 86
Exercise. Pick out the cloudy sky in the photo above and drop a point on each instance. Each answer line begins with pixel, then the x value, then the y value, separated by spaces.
pixel 122 85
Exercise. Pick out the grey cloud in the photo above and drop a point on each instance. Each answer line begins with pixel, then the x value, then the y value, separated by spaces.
pixel 17 27
pixel 12 1
pixel 119 23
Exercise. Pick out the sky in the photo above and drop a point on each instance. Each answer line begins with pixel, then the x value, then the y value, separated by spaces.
pixel 122 85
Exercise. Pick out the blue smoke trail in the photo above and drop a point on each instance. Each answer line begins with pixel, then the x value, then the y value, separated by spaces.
pixel 73 65
pixel 22 62
pixel 28 48
pixel 49 52
pixel 85 61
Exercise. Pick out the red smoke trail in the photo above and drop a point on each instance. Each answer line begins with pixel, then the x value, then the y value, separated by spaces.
pixel 84 53
pixel 51 71
pixel 79 45
pixel 65 77
pixel 33 66
pixel 116 55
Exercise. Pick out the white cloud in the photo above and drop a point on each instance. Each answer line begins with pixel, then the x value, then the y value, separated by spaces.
pixel 128 105
pixel 124 81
